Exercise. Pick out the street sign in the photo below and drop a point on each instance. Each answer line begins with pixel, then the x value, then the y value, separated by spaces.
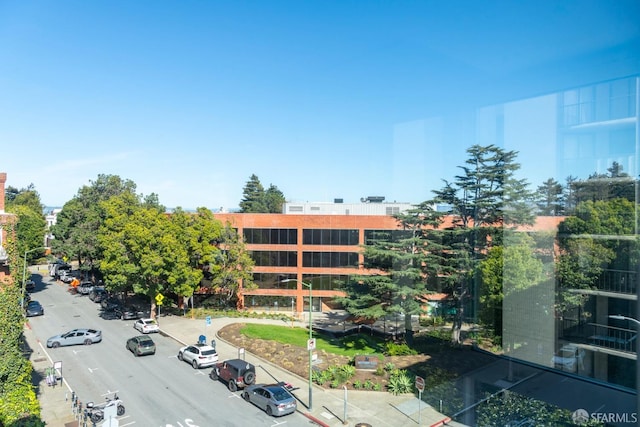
pixel 311 344
pixel 207 321
pixel 159 299
pixel 420 383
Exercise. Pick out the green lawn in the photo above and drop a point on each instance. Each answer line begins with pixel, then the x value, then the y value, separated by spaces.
pixel 347 346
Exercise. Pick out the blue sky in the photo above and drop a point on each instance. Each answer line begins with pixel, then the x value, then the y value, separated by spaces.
pixel 324 99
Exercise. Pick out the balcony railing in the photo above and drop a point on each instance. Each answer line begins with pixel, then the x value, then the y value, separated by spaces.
pixel 614 338
pixel 619 281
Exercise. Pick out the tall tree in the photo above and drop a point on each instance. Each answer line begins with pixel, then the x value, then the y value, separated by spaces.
pixel 142 251
pixel 31 226
pixel 549 198
pixel 398 258
pixel 484 199
pixel 253 196
pixel 77 225
pixel 274 199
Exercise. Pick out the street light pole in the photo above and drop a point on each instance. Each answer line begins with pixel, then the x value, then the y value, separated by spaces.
pixel 310 286
pixel 637 322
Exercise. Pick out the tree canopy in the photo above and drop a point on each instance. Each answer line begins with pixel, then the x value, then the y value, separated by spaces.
pixel 256 200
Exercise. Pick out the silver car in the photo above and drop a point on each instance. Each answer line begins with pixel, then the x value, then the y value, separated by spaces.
pixel 274 399
pixel 75 337
pixel 198 355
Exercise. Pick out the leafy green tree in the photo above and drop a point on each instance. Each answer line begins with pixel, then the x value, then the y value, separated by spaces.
pixel 30 230
pixel 77 225
pixel 601 236
pixel 141 251
pixel 549 198
pixel 31 227
pixel 232 265
pixel 508 269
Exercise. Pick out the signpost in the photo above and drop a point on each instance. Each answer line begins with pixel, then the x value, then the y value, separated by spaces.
pixel 311 344
pixel 420 387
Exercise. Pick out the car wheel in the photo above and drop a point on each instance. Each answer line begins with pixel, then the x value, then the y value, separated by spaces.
pixel 194 364
pixel 55 344
pixel 213 374
pixel 180 356
pixel 269 411
pixel 87 342
pixel 245 396
pixel 249 378
pixel 120 410
pixel 233 386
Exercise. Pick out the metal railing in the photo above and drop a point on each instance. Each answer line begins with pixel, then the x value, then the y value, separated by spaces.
pixel 614 338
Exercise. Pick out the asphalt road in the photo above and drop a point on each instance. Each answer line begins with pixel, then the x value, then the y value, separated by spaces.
pixel 156 390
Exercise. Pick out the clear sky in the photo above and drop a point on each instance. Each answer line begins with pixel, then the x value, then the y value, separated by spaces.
pixel 324 99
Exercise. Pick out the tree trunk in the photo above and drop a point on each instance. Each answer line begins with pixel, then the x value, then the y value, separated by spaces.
pixel 457 326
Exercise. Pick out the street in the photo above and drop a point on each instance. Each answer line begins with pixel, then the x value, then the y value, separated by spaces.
pixel 157 390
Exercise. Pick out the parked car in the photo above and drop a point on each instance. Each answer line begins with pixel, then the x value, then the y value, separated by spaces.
pixel 30 285
pixel 34 309
pixel 74 337
pixel 146 326
pixel 58 268
pixel 199 355
pixel 97 294
pixel 274 399
pixel 141 345
pixel 569 358
pixel 110 303
pixel 128 313
pixel 237 373
pixel 85 288
pixel 67 276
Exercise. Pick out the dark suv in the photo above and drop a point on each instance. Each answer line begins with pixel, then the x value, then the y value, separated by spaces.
pixel 237 373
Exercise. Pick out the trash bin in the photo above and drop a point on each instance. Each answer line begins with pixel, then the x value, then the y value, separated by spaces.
pixel 202 339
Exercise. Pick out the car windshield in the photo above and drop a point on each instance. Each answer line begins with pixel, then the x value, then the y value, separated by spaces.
pixel 146 343
pixel 211 352
pixel 150 322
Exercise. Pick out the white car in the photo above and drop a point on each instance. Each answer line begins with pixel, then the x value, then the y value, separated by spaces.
pixel 146 326
pixel 199 355
pixel 569 358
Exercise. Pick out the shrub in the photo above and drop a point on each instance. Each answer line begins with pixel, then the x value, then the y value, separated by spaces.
pixel 389 367
pixel 400 383
pixel 357 384
pixel 393 349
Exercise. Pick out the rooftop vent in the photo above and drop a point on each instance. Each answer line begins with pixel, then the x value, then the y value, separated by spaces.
pixel 373 199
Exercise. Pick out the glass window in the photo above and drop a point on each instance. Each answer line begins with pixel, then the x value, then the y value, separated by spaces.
pixel 275 258
pixel 330 259
pixel 330 237
pixel 271 236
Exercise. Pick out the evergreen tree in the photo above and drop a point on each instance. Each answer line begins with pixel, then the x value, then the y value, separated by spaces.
pixel 549 198
pixel 274 199
pixel 484 199
pixel 253 200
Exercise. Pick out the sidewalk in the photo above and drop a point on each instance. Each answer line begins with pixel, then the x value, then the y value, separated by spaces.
pixel 55 402
pixel 363 408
